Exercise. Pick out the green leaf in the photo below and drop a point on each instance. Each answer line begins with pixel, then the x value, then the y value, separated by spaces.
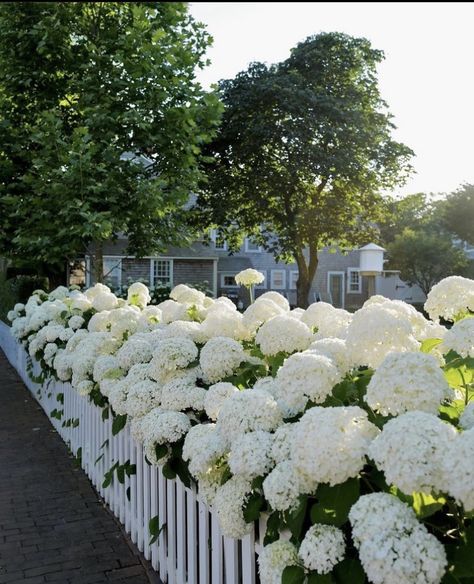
pixel 294 519
pixel 253 507
pixel 315 578
pixel 118 423
pixel 161 450
pixel 426 505
pixel 127 492
pixel 429 344
pixel 293 575
pixel 105 413
pixel 168 472
pixel 272 532
pixel 334 503
pixel 154 528
pixel 349 571
pixel 121 474
pixel 60 398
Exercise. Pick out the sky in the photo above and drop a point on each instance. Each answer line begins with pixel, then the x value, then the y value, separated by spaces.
pixel 427 77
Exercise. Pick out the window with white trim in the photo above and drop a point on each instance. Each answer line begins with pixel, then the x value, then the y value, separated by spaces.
pixel 112 272
pixel 293 279
pixel 251 246
pixel 219 241
pixel 228 280
pixel 278 280
pixel 354 281
pixel 162 273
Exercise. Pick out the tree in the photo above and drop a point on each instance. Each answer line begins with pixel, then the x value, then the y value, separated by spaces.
pixel 424 258
pixel 458 213
pixel 415 212
pixel 303 150
pixel 101 125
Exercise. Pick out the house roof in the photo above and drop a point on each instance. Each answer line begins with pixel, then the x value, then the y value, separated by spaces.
pixel 196 250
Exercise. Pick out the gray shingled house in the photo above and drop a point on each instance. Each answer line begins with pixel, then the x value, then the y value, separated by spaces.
pixel 338 279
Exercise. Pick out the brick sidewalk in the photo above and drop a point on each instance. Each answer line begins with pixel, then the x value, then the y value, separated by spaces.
pixel 53 525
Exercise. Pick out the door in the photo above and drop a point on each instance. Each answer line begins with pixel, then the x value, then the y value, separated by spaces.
pixel 336 289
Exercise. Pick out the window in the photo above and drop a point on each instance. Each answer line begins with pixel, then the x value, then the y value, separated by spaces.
pixel 219 241
pixel 162 273
pixel 278 281
pixel 251 246
pixel 228 281
pixel 354 281
pixel 112 272
pixel 293 279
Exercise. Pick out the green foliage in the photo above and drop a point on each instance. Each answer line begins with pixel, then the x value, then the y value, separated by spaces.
pixel 458 213
pixel 154 529
pixel 102 124
pixel 425 258
pixel 304 148
pixel 334 503
pixel 118 423
pixel 293 575
pixel 8 297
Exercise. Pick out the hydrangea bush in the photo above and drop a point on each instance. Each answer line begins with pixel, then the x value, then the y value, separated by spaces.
pixel 352 435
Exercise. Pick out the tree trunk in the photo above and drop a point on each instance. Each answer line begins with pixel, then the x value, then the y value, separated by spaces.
pixel 97 267
pixel 306 273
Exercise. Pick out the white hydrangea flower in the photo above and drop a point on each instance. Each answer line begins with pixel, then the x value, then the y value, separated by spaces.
pixel 106 366
pixel 410 451
pixel 331 444
pixel 323 547
pixel 187 295
pixel 407 381
pixel 149 318
pixel 104 301
pixel 394 548
pixel 460 338
pixel 249 277
pixel 247 411
pixel 171 311
pixel 281 487
pixel 228 504
pixel 458 465
pixel 306 376
pixel 138 295
pixel 283 334
pixel 376 331
pixel 184 329
pixel 250 454
pixel 66 334
pixel 162 427
pixel 466 421
pixel 203 447
pixel 133 351
pixel 170 355
pixel 49 352
pixel 224 323
pixel 85 387
pixel 274 558
pixel 216 395
pixel 329 321
pixel 99 322
pixel 450 298
pixel 278 299
pixel 142 397
pixel 59 293
pixel 336 350
pixel 220 357
pixel 95 290
pixel 283 442
pixel 179 395
pixel 260 311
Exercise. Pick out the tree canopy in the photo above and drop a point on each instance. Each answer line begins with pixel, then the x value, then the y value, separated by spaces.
pixel 101 125
pixel 458 213
pixel 424 258
pixel 303 151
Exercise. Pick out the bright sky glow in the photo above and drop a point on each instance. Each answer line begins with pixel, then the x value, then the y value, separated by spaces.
pixel 427 77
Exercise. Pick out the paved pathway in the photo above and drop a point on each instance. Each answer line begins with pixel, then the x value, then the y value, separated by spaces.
pixel 53 525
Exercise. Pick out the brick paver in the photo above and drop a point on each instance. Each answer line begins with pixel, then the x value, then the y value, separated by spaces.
pixel 53 525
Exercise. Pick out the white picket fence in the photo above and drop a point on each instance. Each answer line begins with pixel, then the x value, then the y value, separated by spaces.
pixel 190 548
